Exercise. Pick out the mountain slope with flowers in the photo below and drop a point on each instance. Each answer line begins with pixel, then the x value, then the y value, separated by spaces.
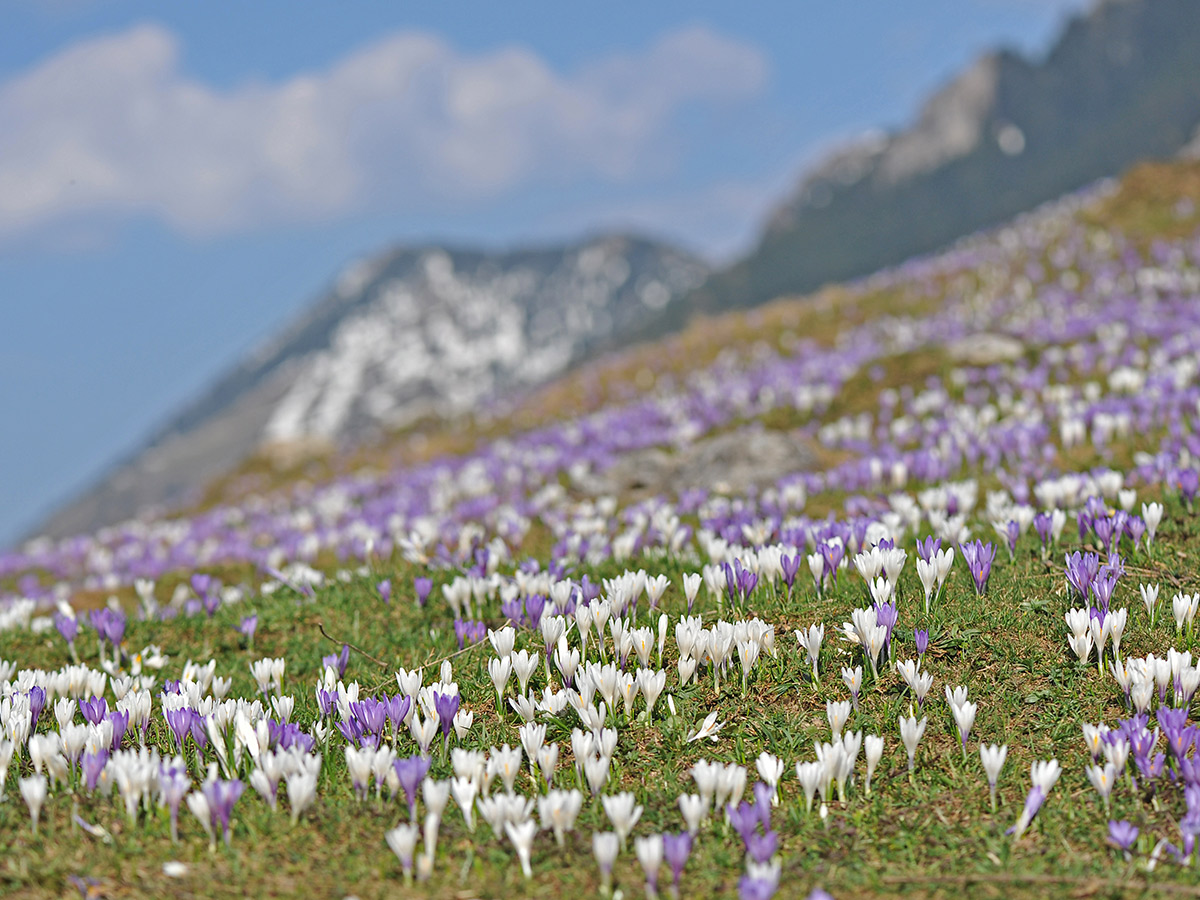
pixel 953 647
pixel 419 334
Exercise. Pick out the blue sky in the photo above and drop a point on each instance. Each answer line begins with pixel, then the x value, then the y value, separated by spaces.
pixel 179 179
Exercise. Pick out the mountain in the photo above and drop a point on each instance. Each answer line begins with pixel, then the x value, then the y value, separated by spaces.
pixel 1120 85
pixel 411 333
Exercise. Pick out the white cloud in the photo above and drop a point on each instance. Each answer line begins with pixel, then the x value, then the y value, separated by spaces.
pixel 112 128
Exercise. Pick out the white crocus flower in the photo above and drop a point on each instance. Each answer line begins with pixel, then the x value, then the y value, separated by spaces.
pixel 33 791
pixel 693 808
pixel 964 718
pixel 623 812
pixel 838 712
pixel 710 729
pixel 911 732
pixel 873 744
pixel 810 640
pixel 1103 778
pixel 1152 514
pixel 993 761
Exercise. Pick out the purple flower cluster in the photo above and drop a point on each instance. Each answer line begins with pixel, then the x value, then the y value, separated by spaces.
pixel 979 557
pixel 109 624
pixel 368 716
pixel 740 582
pixel 467 631
pixel 752 822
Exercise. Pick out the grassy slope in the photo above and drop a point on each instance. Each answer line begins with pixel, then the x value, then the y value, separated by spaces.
pixel 932 838
pixel 1004 647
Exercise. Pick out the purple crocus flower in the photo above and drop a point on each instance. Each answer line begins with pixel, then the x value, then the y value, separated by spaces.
pixel 351 730
pixel 790 566
pixel 735 580
pixel 921 638
pixel 1135 528
pixel 511 610
pixel 1141 739
pixel 1151 767
pixel 397 711
pixel 120 724
pixel 533 610
pixel 248 626
pixel 325 701
pixel 1084 520
pixel 221 796
pixel 756 888
pixel 411 771
pixel 174 783
pixel 370 713
pixel 37 702
pixel 446 706
pixel 887 615
pixel 1104 527
pixel 94 709
pixel 1171 719
pixel 761 847
pixel 1043 524
pixel 927 548
pixel 68 627
pixel 109 625
pixel 479 629
pixel 337 661
pixel 286 735
pixel 385 590
pixel 422 586
pixel 199 730
pixel 1189 829
pixel 1081 568
pixel 832 552
pixel 743 818
pixel 85 886
pixel 180 723
pixel 461 627
pixel 676 850
pixel 1104 584
pixel 1122 834
pixel 1012 531
pixel 1189 770
pixel 1189 484
pixel 208 589
pixel 93 766
pixel 1033 802
pixel 979 557
pixel 763 795
pixel 1180 741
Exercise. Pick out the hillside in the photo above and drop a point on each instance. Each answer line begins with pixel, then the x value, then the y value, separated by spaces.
pixel 821 370
pixel 908 539
pixel 419 334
